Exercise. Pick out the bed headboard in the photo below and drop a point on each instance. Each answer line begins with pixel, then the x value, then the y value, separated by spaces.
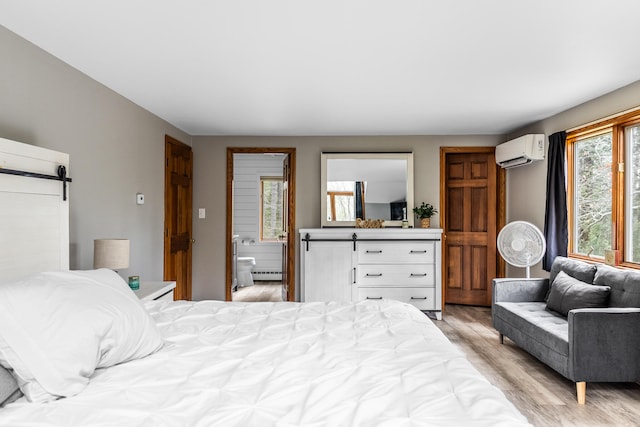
pixel 34 218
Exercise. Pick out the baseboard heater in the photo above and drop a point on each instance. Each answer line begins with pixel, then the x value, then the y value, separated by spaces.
pixel 266 275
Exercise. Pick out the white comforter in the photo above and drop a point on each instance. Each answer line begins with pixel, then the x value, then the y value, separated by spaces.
pixel 285 364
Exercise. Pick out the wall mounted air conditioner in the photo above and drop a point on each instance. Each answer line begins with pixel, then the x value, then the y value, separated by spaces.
pixel 520 151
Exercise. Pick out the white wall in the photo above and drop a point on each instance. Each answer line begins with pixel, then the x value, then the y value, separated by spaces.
pixel 247 170
pixel 526 186
pixel 116 149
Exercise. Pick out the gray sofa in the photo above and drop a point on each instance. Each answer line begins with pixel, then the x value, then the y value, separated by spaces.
pixel 596 344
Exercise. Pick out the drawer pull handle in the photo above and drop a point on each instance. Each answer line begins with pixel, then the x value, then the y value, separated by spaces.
pixel 418 297
pixel 374 275
pixel 374 252
pixel 418 274
pixel 374 297
pixel 418 252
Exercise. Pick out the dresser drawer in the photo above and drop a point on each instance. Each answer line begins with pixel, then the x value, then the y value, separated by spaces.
pixel 418 275
pixel 396 252
pixel 422 298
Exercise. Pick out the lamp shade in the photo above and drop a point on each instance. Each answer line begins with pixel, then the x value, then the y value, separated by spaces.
pixel 111 253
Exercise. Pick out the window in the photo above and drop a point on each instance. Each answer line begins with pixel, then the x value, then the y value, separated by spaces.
pixel 341 201
pixel 604 189
pixel 270 209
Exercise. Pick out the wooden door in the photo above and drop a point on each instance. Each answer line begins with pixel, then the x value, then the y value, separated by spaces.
pixel 177 216
pixel 472 214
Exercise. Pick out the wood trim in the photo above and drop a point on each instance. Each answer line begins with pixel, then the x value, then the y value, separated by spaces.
pixel 229 227
pixel 291 236
pixel 570 153
pixel 502 214
pixel 594 126
pixel 443 219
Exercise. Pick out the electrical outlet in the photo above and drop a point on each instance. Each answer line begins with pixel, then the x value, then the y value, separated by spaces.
pixel 140 199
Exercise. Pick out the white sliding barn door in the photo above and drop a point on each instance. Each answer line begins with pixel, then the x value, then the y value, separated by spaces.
pixel 34 218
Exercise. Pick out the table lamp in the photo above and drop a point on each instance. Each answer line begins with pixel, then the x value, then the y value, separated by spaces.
pixel 111 253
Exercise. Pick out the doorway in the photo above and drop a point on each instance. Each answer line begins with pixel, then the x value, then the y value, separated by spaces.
pixel 283 242
pixel 178 190
pixel 472 213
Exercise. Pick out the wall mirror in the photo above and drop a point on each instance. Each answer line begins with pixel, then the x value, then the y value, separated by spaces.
pixel 367 186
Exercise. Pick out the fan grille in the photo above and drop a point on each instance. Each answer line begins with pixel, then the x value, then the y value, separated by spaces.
pixel 521 244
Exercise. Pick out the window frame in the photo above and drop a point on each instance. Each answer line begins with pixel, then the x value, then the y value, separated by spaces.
pixel 332 200
pixel 616 125
pixel 261 214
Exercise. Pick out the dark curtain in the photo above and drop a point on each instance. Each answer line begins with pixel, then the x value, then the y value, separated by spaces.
pixel 555 217
pixel 360 199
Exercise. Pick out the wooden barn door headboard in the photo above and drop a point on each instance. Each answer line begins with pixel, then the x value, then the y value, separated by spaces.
pixel 34 217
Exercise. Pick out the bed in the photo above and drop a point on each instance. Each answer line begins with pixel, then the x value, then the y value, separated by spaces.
pixel 86 352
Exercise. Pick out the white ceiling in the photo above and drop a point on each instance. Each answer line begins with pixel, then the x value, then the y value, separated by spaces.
pixel 342 67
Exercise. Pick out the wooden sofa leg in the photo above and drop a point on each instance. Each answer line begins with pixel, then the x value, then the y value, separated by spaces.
pixel 581 388
pixel 501 339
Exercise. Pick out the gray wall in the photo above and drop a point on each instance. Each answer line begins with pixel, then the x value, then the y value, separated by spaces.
pixel 526 186
pixel 116 150
pixel 210 187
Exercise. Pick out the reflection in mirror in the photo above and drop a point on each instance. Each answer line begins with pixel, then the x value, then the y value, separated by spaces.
pixel 366 186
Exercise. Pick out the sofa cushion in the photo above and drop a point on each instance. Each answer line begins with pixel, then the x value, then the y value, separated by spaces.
pixel 548 329
pixel 567 293
pixel 625 285
pixel 580 270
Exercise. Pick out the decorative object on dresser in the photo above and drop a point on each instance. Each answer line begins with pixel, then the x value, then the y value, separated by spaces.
pixel 149 291
pixel 369 223
pixel 111 253
pixel 348 264
pixel 424 212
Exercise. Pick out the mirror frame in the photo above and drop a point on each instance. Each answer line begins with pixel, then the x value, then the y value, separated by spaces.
pixel 408 156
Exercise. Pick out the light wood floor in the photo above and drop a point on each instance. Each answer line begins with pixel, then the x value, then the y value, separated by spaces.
pixel 259 292
pixel 542 395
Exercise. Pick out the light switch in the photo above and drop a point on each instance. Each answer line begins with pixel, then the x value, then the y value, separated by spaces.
pixel 201 213
pixel 140 199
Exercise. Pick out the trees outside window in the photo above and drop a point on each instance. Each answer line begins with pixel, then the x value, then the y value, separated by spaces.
pixel 593 195
pixel 341 201
pixel 603 163
pixel 271 209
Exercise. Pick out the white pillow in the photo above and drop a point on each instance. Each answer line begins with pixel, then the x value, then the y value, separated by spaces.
pixel 56 328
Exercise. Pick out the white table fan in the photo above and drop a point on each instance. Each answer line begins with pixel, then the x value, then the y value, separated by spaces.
pixel 521 244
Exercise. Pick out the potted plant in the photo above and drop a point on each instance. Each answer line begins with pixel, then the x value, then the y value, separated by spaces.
pixel 424 212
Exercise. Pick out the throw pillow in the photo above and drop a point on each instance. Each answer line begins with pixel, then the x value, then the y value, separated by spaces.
pixel 567 293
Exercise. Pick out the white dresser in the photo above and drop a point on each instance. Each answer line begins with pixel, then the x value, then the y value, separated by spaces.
pixel 352 264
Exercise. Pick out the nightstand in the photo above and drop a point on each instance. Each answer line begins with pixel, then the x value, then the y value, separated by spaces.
pixel 156 291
